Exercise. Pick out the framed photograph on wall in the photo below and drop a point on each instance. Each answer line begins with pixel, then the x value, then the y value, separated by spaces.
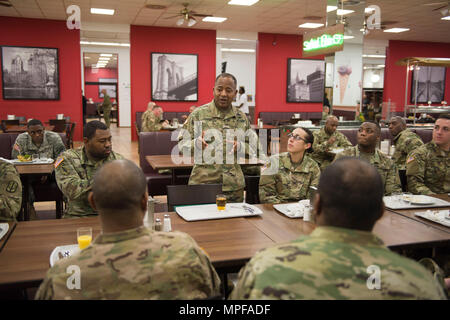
pixel 305 80
pixel 174 77
pixel 110 86
pixel 430 86
pixel 30 73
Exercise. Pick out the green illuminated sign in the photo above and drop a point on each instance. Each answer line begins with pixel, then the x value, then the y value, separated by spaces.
pixel 324 41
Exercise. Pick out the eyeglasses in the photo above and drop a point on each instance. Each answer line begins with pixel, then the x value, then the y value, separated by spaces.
pixel 296 137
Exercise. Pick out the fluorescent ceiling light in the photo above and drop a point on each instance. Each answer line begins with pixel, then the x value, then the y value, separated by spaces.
pixel 243 2
pixel 374 56
pixel 381 66
pixel 396 30
pixel 446 18
pixel 214 19
pixel 221 38
pixel 348 37
pixel 310 25
pixel 105 43
pixel 102 11
pixel 104 58
pixel 331 8
pixel 343 12
pixel 237 50
pixel 105 54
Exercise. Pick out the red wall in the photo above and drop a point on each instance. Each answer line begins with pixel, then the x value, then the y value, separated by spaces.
pixel 52 34
pixel 395 76
pixel 271 73
pixel 144 40
pixel 91 91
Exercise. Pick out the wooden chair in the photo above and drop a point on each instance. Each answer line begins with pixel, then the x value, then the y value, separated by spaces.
pixel 70 129
pixel 192 194
pixel 59 125
pixel 9 123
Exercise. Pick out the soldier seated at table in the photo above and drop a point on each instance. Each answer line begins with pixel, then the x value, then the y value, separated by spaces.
pixel 38 141
pixel 428 167
pixel 290 174
pixel 368 137
pixel 75 168
pixel 404 140
pixel 128 260
pixel 10 192
pixel 152 119
pixel 326 139
pixel 341 258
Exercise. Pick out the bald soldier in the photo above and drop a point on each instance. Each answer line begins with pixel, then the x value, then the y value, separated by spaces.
pixel 339 259
pixel 127 260
pixel 219 116
pixel 368 136
pixel 404 140
pixel 10 192
pixel 296 171
pixel 75 168
pixel 428 167
pixel 151 119
pixel 326 139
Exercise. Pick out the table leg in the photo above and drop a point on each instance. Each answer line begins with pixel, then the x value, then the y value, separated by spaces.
pixel 173 176
pixel 25 211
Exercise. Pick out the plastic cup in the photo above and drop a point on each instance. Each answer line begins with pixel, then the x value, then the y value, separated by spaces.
pixel 221 201
pixel 84 237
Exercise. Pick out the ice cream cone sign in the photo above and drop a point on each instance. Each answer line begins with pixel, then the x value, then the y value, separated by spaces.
pixel 344 73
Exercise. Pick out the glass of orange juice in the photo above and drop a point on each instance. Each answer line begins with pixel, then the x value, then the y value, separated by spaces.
pixel 221 201
pixel 84 237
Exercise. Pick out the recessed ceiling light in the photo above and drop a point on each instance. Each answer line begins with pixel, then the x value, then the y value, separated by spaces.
pixel 105 54
pixel 237 50
pixel 214 19
pixel 105 43
pixel 243 2
pixel 396 30
pixel 102 11
pixel 374 56
pixel 331 8
pixel 348 37
pixel 446 18
pixel 343 12
pixel 310 25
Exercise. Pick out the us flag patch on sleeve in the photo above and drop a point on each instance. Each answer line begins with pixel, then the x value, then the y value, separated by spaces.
pixel 58 161
pixel 410 159
pixel 16 147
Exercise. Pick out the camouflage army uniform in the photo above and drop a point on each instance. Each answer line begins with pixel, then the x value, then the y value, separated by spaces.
pixel 106 108
pixel 229 175
pixel 405 142
pixel 136 264
pixel 290 183
pixel 150 122
pixel 332 263
pixel 428 170
pixel 51 146
pixel 10 192
pixel 321 147
pixel 385 167
pixel 74 174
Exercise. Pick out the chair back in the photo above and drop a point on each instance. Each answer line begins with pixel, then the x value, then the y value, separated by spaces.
pixel 192 194
pixel 70 129
pixel 8 123
pixel 59 125
pixel 252 189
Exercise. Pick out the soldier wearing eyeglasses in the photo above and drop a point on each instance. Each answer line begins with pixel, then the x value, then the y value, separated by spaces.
pixel 38 141
pixel 296 172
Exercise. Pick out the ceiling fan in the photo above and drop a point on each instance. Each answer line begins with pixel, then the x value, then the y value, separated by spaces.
pixel 187 15
pixel 5 3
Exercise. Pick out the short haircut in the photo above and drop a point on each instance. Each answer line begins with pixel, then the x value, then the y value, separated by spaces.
pixel 309 138
pixel 242 88
pixel 378 128
pixel 119 186
pixel 156 107
pixel 351 194
pixel 91 127
pixel 444 116
pixel 226 75
pixel 34 122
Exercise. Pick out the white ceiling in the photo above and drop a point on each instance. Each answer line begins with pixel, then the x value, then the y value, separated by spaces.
pixel 271 16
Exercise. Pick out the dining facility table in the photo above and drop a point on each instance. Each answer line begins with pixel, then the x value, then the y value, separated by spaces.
pixel 410 213
pixel 22 129
pixel 165 161
pixel 230 243
pixel 26 172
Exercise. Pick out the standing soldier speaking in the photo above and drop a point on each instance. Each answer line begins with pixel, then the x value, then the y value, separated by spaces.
pixel 218 116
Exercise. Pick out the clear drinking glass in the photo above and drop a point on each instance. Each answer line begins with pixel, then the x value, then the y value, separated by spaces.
pixel 35 157
pixel 221 201
pixel 84 237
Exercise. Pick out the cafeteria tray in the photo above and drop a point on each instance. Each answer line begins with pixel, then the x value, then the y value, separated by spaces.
pixel 210 212
pixel 71 249
pixel 292 210
pixel 37 161
pixel 413 202
pixel 438 216
pixel 4 227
